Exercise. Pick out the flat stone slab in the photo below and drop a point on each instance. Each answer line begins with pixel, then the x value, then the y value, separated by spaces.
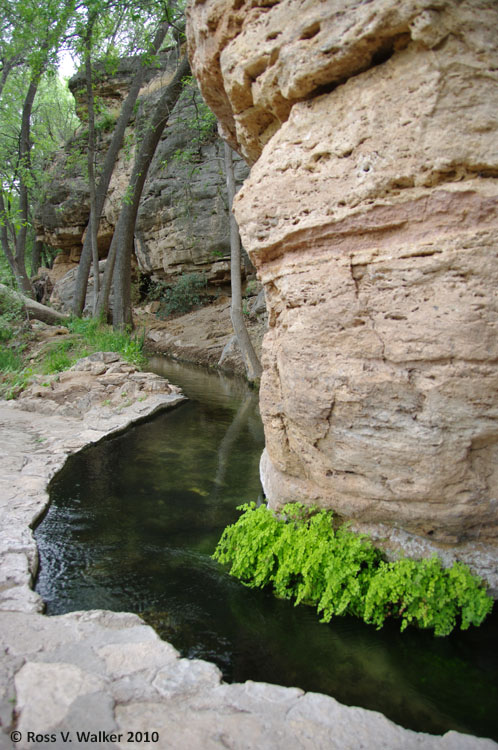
pixel 105 679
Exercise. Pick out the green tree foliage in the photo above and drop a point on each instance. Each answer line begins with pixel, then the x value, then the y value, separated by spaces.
pixel 304 558
pixel 31 38
pixel 34 111
pixel 52 122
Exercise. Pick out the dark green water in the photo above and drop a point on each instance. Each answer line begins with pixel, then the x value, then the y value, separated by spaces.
pixel 133 522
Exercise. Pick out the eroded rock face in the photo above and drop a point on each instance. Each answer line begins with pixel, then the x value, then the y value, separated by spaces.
pixel 371 215
pixel 182 224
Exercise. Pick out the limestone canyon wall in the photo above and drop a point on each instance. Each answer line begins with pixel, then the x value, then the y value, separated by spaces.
pixel 182 225
pixel 371 214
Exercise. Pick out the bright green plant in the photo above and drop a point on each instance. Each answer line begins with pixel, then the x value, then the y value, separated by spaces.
pixel 304 558
pixel 423 592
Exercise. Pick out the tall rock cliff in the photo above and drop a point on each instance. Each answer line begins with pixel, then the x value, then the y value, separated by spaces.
pixel 182 225
pixel 371 214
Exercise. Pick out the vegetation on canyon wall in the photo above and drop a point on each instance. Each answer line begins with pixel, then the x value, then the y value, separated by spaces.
pixel 304 558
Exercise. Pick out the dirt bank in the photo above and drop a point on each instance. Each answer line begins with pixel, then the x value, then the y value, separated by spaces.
pixel 203 335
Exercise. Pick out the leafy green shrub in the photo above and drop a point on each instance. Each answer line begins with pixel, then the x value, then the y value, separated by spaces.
pixel 105 122
pixel 305 559
pixel 186 294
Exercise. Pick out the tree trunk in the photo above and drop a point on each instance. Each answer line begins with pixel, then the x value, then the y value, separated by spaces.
pixel 251 361
pixel 24 165
pixel 125 228
pixel 36 257
pixel 35 309
pixel 107 170
pixel 92 224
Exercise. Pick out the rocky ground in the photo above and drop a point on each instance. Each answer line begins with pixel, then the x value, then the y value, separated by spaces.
pixel 108 674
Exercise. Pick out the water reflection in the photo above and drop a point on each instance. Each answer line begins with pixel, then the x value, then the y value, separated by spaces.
pixel 132 525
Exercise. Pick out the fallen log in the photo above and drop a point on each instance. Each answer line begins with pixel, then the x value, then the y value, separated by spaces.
pixel 34 309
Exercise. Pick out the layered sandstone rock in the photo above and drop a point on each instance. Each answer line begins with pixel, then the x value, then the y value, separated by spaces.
pixel 371 214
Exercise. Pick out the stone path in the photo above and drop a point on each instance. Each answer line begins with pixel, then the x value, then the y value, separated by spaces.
pixel 108 674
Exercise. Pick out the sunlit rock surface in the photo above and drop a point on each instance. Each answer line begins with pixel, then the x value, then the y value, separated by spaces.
pixel 371 215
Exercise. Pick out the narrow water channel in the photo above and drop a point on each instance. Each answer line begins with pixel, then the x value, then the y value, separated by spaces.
pixel 132 524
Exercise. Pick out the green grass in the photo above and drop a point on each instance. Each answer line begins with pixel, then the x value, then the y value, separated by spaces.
pixel 97 337
pixel 10 360
pixel 14 337
pixel 61 357
pixel 87 335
